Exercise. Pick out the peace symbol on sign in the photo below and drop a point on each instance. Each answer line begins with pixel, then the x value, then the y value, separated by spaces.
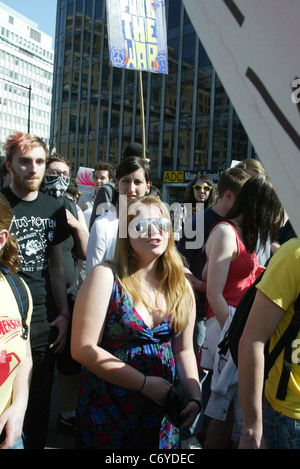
pixel 162 63
pixel 117 57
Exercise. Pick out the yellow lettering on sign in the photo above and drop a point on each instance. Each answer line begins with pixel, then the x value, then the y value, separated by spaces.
pixel 151 31
pixel 138 27
pixel 141 55
pixel 173 176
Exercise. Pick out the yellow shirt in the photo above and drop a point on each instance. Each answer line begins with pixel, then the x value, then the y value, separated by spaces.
pixel 12 345
pixel 281 284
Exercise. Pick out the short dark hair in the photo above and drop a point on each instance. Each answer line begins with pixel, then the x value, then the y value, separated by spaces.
pixel 132 163
pixel 232 179
pixel 56 157
pixel 103 166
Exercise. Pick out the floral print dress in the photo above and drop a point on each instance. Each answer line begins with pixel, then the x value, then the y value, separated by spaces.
pixel 113 417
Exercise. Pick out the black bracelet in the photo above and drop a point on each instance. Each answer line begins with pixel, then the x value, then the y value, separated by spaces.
pixel 198 401
pixel 144 384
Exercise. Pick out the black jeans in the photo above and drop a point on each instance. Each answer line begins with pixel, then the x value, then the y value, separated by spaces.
pixel 37 414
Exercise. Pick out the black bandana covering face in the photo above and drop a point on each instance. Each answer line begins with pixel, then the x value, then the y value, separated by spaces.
pixel 56 186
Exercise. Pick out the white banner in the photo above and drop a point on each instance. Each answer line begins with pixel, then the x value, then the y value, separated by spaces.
pixel 254 47
pixel 84 179
pixel 137 35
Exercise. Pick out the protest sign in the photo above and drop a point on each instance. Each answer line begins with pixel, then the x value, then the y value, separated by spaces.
pixel 253 46
pixel 137 35
pixel 84 179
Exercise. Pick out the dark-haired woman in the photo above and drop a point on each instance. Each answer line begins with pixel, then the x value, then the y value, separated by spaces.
pixel 199 191
pixel 133 179
pixel 232 266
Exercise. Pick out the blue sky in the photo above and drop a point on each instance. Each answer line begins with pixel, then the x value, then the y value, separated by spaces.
pixel 42 12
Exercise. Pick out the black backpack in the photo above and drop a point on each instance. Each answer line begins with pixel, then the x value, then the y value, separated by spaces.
pixel 232 338
pixel 21 295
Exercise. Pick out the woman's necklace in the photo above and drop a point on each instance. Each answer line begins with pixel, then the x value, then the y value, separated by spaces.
pixel 155 313
pixel 151 287
pixel 151 294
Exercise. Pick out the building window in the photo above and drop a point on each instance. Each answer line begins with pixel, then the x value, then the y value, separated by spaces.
pixel 35 35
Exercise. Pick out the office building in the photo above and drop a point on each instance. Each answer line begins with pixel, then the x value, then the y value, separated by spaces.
pixel 190 122
pixel 26 76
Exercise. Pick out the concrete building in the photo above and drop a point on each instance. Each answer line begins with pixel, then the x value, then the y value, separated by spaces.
pixel 190 123
pixel 26 76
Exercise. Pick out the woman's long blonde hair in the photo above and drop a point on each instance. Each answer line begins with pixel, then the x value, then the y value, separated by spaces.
pixel 172 281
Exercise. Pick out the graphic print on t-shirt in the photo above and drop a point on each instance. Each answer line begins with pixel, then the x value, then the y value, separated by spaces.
pixel 35 235
pixel 8 360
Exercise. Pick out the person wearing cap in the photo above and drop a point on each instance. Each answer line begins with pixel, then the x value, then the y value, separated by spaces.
pixel 135 149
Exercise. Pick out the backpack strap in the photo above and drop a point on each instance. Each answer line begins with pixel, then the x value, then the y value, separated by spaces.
pixel 21 296
pixel 285 342
pixel 232 337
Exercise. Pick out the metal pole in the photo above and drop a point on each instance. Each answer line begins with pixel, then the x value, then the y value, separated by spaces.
pixel 29 108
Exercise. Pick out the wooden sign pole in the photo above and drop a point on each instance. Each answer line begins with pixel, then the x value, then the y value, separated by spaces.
pixel 142 114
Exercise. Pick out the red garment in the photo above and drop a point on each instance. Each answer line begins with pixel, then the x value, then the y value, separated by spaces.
pixel 241 274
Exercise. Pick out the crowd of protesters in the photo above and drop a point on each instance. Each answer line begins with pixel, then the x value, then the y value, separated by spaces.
pixel 130 309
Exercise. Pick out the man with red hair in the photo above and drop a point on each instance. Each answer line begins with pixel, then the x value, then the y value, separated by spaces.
pixel 40 225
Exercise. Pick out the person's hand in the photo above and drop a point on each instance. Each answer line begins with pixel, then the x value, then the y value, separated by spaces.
pixel 157 389
pixel 189 414
pixel 72 221
pixel 12 421
pixel 61 323
pixel 253 441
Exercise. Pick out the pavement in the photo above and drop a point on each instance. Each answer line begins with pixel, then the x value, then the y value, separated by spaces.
pixel 58 439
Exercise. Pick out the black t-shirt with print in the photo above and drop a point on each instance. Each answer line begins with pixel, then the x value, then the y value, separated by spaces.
pixel 70 259
pixel 38 225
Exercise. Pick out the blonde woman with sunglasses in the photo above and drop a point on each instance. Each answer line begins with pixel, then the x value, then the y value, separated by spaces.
pixel 200 190
pixel 133 331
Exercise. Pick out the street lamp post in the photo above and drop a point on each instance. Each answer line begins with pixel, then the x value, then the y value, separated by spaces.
pixel 29 108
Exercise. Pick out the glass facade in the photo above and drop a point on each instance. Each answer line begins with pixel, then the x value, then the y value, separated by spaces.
pixel 190 122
